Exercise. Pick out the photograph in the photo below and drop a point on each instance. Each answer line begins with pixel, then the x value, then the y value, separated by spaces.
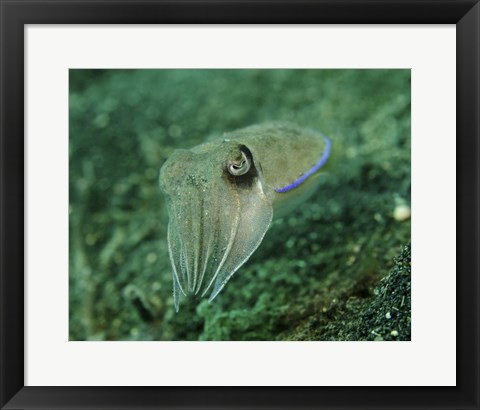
pixel 239 204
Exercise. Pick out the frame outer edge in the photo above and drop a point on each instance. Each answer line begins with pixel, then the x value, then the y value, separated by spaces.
pixel 468 195
pixel 11 204
pixel 12 330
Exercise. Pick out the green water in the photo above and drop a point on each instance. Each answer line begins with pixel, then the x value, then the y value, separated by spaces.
pixel 324 272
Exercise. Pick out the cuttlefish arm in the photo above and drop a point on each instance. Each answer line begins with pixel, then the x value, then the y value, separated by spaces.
pixel 221 198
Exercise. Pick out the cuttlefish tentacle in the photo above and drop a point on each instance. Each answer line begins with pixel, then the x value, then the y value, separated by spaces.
pixel 174 248
pixel 234 216
pixel 221 198
pixel 196 231
pixel 209 235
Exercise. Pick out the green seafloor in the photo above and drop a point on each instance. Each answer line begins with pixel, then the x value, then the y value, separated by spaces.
pixel 337 268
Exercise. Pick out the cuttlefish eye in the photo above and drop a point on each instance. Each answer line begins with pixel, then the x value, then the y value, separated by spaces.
pixel 240 167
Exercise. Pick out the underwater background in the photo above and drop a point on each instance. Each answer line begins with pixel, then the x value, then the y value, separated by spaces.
pixel 337 268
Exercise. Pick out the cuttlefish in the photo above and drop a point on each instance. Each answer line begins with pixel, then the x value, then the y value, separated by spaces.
pixel 222 196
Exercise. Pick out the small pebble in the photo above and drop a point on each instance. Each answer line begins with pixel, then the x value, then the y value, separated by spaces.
pixel 175 131
pixel 151 257
pixel 301 264
pixel 401 213
pixel 102 120
pixel 134 332
pixel 90 239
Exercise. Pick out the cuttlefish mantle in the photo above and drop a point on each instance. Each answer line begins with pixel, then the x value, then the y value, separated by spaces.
pixel 222 196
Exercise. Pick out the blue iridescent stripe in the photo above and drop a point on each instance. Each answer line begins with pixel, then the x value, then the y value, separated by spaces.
pixel 314 169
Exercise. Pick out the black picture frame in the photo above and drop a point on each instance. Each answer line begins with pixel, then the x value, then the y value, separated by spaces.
pixel 15 14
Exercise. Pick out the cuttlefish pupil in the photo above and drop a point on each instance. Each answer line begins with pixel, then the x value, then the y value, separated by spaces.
pixel 241 168
pixel 222 196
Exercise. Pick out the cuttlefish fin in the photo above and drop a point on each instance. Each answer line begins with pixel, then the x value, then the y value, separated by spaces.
pixel 255 216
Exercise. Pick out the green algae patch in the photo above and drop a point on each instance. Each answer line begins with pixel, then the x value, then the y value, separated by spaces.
pixel 336 268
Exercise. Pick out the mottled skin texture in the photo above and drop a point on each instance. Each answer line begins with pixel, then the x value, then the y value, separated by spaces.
pixel 218 219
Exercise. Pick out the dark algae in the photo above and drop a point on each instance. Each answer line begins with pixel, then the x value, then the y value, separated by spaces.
pixel 381 314
pixel 335 268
